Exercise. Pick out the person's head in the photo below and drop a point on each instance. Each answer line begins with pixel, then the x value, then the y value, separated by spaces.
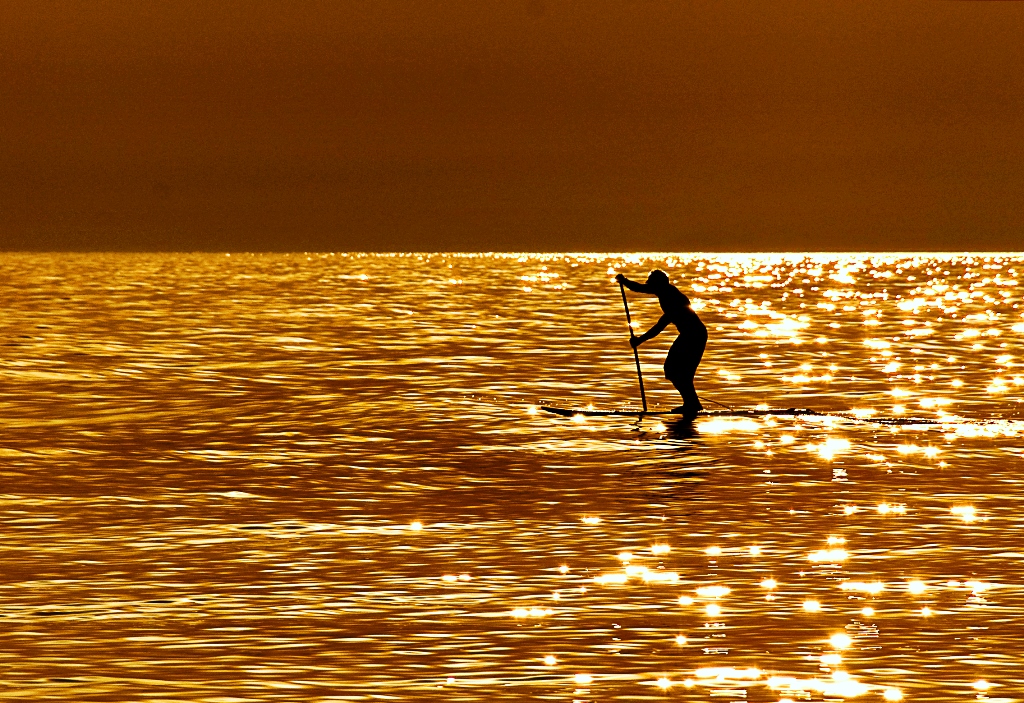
pixel 658 279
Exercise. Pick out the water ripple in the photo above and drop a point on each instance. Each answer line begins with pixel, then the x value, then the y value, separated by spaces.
pixel 323 477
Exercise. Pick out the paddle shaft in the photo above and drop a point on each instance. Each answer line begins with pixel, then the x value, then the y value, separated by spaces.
pixel 636 354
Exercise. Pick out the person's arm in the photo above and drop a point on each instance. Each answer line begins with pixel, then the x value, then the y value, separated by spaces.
pixel 658 328
pixel 633 285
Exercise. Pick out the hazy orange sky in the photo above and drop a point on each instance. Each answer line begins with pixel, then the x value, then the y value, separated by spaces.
pixel 521 125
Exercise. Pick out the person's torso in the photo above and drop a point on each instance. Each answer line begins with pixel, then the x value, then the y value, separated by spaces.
pixel 676 305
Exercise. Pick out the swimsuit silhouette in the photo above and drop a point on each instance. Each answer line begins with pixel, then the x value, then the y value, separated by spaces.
pixel 686 352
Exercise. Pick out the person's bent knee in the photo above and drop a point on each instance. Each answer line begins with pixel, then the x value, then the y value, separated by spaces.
pixel 684 376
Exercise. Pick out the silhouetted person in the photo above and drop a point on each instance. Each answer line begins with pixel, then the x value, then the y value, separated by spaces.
pixel 686 352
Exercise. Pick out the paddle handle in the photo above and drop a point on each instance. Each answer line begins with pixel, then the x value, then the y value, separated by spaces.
pixel 636 354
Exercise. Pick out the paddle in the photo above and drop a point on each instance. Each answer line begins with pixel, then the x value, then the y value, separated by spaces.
pixel 636 354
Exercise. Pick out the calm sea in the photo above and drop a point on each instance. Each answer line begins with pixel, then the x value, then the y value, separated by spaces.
pixel 326 478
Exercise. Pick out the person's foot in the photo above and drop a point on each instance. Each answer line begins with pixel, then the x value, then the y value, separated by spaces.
pixel 688 411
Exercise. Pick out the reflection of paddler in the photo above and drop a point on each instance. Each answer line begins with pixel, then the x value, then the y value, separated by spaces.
pixel 686 352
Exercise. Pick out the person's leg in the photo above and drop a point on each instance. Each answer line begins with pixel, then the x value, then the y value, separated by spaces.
pixel 680 368
pixel 676 364
pixel 684 384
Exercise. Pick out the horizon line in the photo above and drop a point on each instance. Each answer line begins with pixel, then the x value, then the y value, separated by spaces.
pixel 415 252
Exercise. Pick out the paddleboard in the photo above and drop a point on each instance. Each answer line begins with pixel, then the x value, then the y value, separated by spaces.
pixel 569 412
pixel 788 412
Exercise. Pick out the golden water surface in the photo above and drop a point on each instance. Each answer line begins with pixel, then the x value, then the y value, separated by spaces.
pixel 326 478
